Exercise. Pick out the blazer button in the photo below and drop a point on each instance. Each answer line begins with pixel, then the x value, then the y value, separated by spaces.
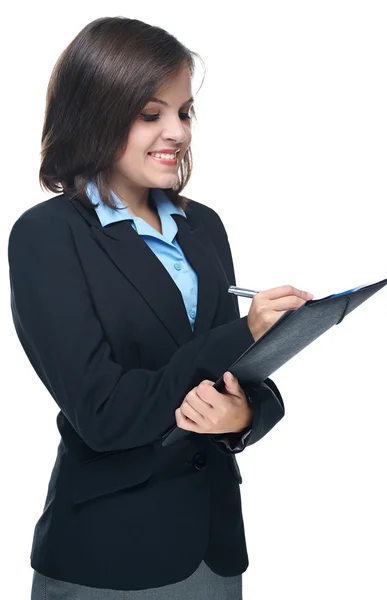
pixel 199 460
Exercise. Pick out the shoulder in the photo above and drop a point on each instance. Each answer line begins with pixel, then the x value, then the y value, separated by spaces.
pixel 197 211
pixel 53 209
pixel 42 221
pixel 208 218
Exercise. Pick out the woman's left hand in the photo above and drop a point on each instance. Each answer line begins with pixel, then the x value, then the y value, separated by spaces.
pixel 205 410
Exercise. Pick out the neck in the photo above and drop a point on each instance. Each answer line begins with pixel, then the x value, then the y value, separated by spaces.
pixel 137 201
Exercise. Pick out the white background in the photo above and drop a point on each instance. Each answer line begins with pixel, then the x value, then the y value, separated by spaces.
pixel 290 149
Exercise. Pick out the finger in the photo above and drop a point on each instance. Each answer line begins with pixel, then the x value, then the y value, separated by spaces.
pixel 183 423
pixel 287 303
pixel 286 290
pixel 207 394
pixel 191 413
pixel 194 400
pixel 230 380
pixel 233 387
pixel 231 377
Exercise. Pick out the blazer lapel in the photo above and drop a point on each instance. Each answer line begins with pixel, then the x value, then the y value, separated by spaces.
pixel 199 251
pixel 144 270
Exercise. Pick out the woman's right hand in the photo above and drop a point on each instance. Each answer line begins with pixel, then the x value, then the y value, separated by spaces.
pixel 269 305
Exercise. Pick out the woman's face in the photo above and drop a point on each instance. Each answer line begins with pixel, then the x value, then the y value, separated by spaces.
pixel 160 125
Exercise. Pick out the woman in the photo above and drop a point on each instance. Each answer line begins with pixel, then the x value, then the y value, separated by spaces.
pixel 119 298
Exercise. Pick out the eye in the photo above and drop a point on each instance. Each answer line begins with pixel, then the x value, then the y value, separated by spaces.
pixel 147 117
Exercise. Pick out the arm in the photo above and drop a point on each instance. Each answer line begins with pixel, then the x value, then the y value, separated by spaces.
pixel 53 313
pixel 265 399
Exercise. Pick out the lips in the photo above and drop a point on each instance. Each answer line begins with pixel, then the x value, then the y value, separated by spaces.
pixel 165 151
pixel 164 161
pixel 153 155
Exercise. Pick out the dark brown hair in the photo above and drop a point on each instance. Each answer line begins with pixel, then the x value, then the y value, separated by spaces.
pixel 99 85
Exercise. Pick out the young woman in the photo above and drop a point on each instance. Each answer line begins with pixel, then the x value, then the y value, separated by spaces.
pixel 119 298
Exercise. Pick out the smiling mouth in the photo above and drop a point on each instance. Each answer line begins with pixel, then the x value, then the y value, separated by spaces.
pixel 165 155
pixel 169 162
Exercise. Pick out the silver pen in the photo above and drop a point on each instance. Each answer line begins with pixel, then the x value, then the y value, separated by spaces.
pixel 233 289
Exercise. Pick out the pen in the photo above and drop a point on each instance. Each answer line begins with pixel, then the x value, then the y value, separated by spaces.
pixel 233 289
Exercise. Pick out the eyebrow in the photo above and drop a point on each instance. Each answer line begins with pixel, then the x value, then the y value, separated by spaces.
pixel 166 103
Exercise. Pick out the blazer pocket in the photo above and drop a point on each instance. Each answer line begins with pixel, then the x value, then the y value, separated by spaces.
pixel 235 468
pixel 111 472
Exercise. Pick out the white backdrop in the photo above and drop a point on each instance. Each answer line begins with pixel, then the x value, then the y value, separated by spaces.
pixel 290 150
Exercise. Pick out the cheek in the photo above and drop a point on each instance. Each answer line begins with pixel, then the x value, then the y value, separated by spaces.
pixel 188 132
pixel 140 139
pixel 125 160
pixel 134 153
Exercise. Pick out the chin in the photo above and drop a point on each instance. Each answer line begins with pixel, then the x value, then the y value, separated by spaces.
pixel 166 182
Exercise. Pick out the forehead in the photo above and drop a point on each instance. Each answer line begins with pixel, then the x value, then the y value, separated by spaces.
pixel 176 88
pixel 164 103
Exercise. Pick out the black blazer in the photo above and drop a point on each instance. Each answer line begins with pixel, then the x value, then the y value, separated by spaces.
pixel 106 330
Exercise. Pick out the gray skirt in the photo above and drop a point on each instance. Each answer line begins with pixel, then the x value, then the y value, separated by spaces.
pixel 203 584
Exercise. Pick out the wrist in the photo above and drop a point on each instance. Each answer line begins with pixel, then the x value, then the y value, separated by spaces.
pixel 247 420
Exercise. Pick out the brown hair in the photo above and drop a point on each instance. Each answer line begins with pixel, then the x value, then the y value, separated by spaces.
pixel 98 86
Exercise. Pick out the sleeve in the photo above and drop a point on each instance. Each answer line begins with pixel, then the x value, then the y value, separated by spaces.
pixel 268 411
pixel 110 408
pixel 266 400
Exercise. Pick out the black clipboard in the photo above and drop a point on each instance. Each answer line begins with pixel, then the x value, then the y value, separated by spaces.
pixel 293 332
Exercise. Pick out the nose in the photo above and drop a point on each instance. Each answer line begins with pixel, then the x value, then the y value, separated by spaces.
pixel 175 131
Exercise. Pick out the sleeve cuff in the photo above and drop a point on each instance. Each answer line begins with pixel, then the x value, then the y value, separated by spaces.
pixel 234 442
